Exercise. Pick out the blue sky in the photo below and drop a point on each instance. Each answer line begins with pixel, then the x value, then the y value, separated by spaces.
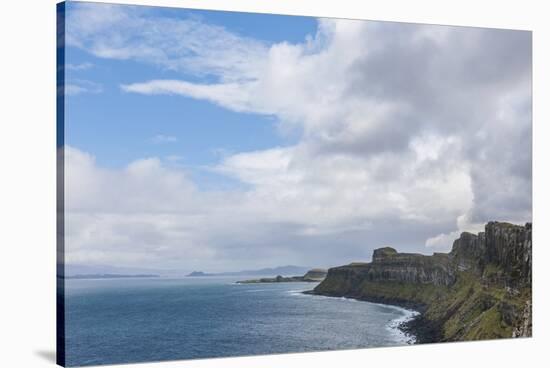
pixel 218 141
pixel 118 127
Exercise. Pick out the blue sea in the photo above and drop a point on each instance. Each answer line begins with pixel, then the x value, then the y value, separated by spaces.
pixel 112 321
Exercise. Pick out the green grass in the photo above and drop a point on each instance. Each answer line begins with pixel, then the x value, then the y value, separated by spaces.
pixel 475 307
pixel 468 310
pixel 471 310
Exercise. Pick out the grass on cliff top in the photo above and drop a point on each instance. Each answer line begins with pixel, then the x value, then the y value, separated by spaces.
pixel 475 307
pixel 471 309
pixel 507 224
pixel 423 294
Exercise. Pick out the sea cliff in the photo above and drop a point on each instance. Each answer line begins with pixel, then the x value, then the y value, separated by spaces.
pixel 480 290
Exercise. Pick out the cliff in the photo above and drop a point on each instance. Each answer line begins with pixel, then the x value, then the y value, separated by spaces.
pixel 480 290
pixel 315 274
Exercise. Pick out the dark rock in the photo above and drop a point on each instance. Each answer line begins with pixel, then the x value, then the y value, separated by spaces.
pixel 423 329
pixel 382 254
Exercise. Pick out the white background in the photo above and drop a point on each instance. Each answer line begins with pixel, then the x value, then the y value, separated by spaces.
pixel 27 181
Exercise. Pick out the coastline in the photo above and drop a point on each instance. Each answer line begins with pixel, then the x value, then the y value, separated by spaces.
pixel 413 326
pixel 424 330
pixel 480 290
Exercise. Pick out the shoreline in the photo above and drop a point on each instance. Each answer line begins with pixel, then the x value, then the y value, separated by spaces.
pixel 420 329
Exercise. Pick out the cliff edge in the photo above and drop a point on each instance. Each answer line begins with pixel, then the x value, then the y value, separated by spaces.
pixel 480 290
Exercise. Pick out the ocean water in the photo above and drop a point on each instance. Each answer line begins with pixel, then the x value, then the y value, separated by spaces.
pixel 112 321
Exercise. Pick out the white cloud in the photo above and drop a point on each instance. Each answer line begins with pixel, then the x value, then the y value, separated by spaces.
pixel 79 67
pixel 161 138
pixel 443 241
pixel 174 158
pixel 231 95
pixel 79 86
pixel 127 32
pixel 409 134
pixel 151 209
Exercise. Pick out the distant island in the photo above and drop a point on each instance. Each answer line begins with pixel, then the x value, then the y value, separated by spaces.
pixel 480 290
pixel 198 274
pixel 314 275
pixel 109 276
pixel 282 270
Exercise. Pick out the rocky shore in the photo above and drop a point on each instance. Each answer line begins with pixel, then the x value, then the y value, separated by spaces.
pixel 314 275
pixel 480 290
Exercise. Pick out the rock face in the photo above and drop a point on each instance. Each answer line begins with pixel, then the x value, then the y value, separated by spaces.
pixel 480 290
pixel 316 274
pixel 510 247
pixel 504 245
pixel 388 265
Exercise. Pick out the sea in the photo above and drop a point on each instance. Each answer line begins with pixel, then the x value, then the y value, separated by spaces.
pixel 112 321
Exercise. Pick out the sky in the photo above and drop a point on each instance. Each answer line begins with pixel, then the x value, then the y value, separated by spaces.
pixel 221 141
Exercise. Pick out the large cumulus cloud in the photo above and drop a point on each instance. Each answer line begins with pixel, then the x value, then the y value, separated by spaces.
pixel 408 134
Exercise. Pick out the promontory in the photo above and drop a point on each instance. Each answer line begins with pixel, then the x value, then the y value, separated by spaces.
pixel 480 290
pixel 313 275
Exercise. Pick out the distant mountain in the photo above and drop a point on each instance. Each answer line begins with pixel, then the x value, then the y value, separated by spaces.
pixel 282 270
pixel 71 270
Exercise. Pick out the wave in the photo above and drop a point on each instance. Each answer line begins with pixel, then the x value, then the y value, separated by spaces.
pixel 256 290
pixel 301 293
pixel 393 326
